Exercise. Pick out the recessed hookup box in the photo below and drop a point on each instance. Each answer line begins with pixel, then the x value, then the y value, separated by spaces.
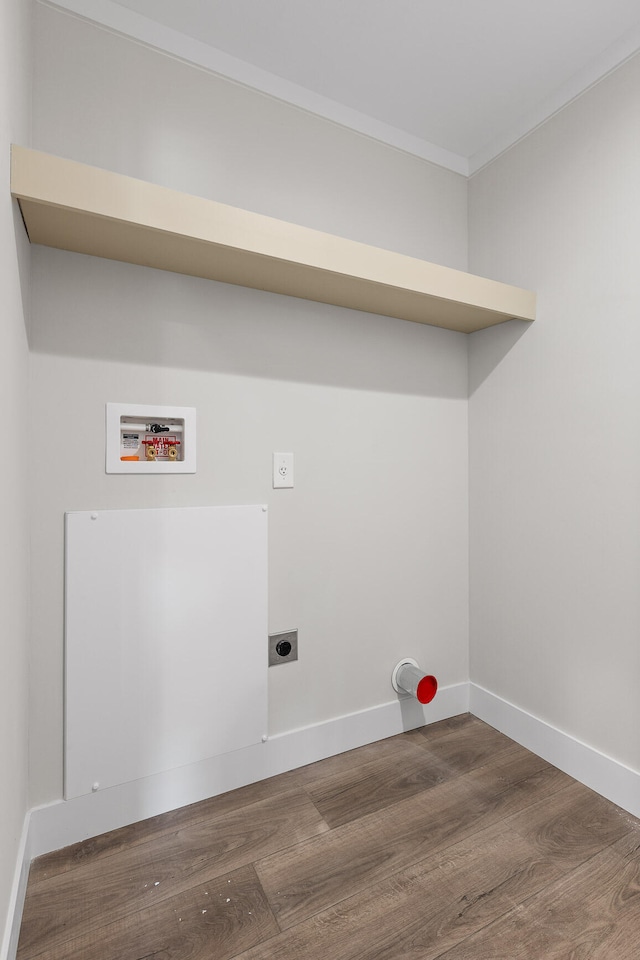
pixel 146 438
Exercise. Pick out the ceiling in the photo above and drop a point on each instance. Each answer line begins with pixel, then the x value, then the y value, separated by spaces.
pixel 453 81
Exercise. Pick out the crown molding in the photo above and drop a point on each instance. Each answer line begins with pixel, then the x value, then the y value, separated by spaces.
pixel 613 57
pixel 125 22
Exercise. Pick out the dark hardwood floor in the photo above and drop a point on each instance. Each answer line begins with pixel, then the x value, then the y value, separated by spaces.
pixel 450 841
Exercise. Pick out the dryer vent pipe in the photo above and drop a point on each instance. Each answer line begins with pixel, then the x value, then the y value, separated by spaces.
pixel 407 677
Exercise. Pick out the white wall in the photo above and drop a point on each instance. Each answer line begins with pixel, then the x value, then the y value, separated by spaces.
pixel 555 424
pixel 369 552
pixel 14 124
pixel 114 103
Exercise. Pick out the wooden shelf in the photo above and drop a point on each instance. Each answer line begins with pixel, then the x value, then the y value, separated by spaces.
pixel 76 207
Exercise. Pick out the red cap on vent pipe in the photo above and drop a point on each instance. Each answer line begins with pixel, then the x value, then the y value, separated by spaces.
pixel 427 689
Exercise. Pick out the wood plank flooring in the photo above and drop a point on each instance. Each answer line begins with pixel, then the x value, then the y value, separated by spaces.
pixel 450 841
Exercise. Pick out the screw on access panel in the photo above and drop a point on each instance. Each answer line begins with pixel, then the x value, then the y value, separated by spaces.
pixel 283 647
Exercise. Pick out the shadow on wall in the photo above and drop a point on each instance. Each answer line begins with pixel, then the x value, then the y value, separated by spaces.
pixel 23 248
pixel 412 713
pixel 104 310
pixel 488 348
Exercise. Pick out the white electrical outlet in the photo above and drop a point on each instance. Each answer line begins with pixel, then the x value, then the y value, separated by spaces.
pixel 282 470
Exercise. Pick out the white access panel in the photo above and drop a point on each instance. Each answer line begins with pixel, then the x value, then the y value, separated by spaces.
pixel 166 640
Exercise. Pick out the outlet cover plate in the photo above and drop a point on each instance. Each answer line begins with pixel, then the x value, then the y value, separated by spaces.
pixel 282 470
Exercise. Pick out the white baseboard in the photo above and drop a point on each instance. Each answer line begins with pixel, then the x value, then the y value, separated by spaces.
pixel 65 822
pixel 9 946
pixel 601 773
